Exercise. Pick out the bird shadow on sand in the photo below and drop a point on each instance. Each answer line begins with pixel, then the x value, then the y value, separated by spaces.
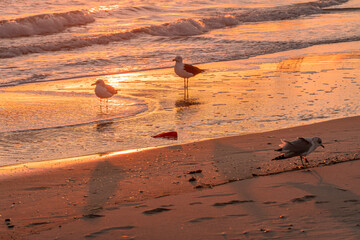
pixel 103 185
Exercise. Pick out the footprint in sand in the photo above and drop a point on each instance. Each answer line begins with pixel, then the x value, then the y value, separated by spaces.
pixel 37 224
pixel 222 204
pixel 156 211
pixel 269 202
pixel 106 230
pixel 303 199
pixel 201 219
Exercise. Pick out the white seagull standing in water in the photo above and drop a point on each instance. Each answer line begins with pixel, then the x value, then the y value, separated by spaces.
pixel 103 90
pixel 185 71
pixel 300 147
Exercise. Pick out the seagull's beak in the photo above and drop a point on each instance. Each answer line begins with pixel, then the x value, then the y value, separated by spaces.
pixel 93 84
pixel 322 146
pixel 174 59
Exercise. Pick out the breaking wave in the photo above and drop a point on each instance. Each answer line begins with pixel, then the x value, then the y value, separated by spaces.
pixel 43 24
pixel 181 27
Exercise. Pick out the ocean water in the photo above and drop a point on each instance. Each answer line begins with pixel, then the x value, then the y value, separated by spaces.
pixel 51 52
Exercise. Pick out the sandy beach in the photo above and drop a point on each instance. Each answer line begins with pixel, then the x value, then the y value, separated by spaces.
pixel 188 187
pixel 74 166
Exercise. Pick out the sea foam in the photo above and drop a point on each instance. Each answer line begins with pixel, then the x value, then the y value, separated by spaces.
pixel 43 24
pixel 181 27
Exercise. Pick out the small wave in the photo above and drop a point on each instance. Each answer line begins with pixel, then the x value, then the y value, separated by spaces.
pixel 49 111
pixel 332 10
pixel 191 27
pixel 119 10
pixel 43 24
pixel 182 27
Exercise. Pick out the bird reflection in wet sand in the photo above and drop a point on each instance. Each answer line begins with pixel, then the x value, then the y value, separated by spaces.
pixel 185 71
pixel 105 126
pixel 103 91
pixel 186 103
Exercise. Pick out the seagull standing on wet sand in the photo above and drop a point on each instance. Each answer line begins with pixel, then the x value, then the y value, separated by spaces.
pixel 300 147
pixel 103 90
pixel 185 71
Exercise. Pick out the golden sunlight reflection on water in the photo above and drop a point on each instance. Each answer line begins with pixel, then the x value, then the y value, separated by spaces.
pixel 223 101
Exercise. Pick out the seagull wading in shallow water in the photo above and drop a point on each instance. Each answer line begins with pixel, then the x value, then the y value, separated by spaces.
pixel 103 90
pixel 185 71
pixel 300 147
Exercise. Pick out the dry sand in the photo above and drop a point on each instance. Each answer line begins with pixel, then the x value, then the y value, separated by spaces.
pixel 149 194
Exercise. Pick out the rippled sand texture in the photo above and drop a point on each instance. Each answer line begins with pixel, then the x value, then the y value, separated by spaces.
pixel 224 101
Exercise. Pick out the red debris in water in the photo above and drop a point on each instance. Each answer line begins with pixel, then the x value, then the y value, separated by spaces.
pixel 168 135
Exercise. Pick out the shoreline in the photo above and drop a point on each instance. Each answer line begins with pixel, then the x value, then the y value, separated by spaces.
pixel 280 90
pixel 34 167
pixel 43 199
pixel 39 166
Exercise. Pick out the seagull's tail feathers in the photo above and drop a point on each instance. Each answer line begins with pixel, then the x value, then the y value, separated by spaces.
pixel 111 89
pixel 283 143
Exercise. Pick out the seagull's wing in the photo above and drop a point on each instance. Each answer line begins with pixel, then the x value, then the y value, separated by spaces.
pixel 111 89
pixel 298 146
pixel 192 69
pixel 294 148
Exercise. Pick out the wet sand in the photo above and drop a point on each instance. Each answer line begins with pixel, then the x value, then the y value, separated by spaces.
pixel 101 195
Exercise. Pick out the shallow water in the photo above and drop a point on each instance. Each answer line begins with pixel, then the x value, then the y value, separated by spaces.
pixel 51 53
pixel 67 39
pixel 223 101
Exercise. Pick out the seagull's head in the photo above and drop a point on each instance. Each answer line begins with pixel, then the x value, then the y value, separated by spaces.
pixel 317 141
pixel 98 82
pixel 178 59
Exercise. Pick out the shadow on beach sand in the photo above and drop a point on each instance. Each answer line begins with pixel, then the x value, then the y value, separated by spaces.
pixel 103 185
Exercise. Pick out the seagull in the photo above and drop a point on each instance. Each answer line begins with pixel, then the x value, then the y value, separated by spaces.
pixel 185 71
pixel 103 90
pixel 300 147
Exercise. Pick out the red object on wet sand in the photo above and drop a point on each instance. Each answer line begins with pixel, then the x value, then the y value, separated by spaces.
pixel 169 135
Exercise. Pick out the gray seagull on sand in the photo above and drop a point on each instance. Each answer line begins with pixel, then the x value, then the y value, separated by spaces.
pixel 300 147
pixel 103 90
pixel 185 71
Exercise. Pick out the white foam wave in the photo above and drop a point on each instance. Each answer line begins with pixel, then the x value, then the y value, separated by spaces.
pixel 181 27
pixel 43 24
pixel 190 27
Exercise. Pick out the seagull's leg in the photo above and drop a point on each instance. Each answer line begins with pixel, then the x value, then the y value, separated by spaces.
pixel 107 105
pixel 306 160
pixel 184 89
pixel 302 161
pixel 100 104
